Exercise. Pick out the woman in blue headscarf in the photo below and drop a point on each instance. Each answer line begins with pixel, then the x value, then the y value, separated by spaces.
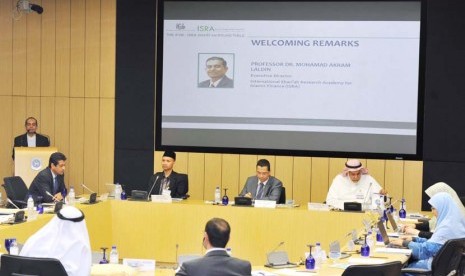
pixel 450 225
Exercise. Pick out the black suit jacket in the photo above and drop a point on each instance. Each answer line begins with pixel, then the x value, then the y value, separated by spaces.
pixel 215 263
pixel 179 184
pixel 21 141
pixel 44 182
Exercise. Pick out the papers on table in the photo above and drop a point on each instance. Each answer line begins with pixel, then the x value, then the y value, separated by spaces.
pixel 393 250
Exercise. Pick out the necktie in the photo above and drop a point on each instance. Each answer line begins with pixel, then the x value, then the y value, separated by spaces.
pixel 55 185
pixel 260 192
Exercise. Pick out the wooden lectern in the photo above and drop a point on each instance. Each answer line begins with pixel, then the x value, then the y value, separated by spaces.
pixel 30 161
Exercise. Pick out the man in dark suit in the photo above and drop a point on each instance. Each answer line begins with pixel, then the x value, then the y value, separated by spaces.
pixel 216 261
pixel 169 181
pixel 49 183
pixel 216 68
pixel 31 138
pixel 262 186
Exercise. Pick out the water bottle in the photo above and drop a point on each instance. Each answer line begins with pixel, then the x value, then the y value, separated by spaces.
pixel 114 257
pixel 217 195
pixel 310 260
pixel 1 200
pixel 317 255
pixel 14 250
pixel 30 207
pixel 118 191
pixel 71 196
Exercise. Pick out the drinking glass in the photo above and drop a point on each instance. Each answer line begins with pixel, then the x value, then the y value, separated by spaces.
pixel 335 255
pixel 8 243
pixel 104 260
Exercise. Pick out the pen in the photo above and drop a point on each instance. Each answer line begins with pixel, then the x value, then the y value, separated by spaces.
pixel 378 257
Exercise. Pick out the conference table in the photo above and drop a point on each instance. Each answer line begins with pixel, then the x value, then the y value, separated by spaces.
pixel 164 231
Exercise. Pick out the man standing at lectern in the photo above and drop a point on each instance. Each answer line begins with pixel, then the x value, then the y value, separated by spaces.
pixel 262 186
pixel 49 183
pixel 31 138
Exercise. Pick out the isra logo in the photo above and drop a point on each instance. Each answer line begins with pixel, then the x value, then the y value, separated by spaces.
pixel 180 26
pixel 204 28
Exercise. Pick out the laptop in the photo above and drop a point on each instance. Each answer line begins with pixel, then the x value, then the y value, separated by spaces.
pixel 393 222
pixel 383 232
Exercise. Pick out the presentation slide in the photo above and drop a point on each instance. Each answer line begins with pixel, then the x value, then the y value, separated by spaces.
pixel 294 84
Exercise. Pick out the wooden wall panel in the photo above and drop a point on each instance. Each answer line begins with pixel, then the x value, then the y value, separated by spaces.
pixel 33 108
pixel 92 48
pixel 247 167
pixel 212 175
pixel 91 142
pixel 394 177
pixel 63 44
pixel 108 48
pixel 376 169
pixel 19 115
pixel 47 70
pixel 230 174
pixel 412 184
pixel 197 177
pixel 320 179
pixel 33 57
pixel 181 162
pixel 5 137
pixel 75 160
pixel 106 143
pixel 77 47
pixel 6 48
pixel 19 56
pixel 301 189
pixel 47 116
pixel 283 171
pixel 62 132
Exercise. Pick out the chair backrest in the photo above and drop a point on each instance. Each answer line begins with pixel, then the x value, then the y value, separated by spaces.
pixel 386 269
pixel 448 257
pixel 19 265
pixel 15 188
pixel 282 197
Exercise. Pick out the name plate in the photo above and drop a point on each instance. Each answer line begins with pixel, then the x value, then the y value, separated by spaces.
pixel 140 264
pixel 161 198
pixel 314 206
pixel 265 204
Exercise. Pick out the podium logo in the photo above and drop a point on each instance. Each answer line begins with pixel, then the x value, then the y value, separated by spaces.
pixel 36 164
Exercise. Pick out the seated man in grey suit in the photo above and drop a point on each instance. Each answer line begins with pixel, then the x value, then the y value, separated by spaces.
pixel 216 261
pixel 263 186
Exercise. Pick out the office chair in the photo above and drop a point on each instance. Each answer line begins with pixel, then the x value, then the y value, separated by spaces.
pixel 446 262
pixel 282 197
pixel 386 269
pixel 22 266
pixel 16 190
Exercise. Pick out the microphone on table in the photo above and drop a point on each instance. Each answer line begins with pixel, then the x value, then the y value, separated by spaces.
pixel 278 246
pixel 87 188
pixel 148 196
pixel 366 195
pixel 11 202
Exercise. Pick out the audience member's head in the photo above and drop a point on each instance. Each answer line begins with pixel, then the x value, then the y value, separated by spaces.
pixel 65 238
pixel 263 170
pixel 354 170
pixel 57 163
pixel 217 231
pixel 443 187
pixel 31 125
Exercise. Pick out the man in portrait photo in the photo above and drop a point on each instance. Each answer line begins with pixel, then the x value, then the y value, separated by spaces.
pixel 216 68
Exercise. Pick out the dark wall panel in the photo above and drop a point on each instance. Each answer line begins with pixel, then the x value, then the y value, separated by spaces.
pixel 135 86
